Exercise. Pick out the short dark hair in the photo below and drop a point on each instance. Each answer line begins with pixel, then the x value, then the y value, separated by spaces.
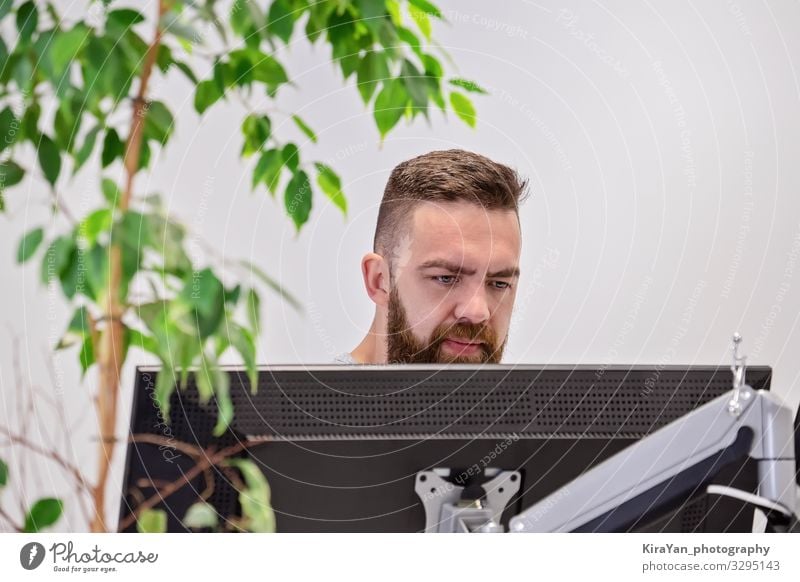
pixel 444 176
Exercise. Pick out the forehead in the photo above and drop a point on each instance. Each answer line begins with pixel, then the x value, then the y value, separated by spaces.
pixel 465 232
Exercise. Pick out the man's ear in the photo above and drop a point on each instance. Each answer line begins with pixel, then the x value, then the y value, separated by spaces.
pixel 375 270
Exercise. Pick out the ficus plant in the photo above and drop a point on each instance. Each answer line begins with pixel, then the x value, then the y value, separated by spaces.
pixel 75 96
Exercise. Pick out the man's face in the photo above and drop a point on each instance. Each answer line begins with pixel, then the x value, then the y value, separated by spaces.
pixel 455 281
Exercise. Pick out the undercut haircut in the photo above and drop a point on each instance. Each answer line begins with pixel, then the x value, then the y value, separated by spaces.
pixel 443 176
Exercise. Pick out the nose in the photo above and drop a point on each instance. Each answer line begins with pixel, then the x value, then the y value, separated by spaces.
pixel 473 308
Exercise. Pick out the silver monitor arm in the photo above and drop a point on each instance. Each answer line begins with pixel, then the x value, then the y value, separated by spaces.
pixel 678 460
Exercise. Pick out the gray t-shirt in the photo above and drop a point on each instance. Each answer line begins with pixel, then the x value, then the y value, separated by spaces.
pixel 344 358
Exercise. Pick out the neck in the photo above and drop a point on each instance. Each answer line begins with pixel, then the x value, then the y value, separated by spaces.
pixel 372 349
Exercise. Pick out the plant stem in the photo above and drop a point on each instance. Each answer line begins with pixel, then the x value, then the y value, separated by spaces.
pixel 110 351
pixel 206 458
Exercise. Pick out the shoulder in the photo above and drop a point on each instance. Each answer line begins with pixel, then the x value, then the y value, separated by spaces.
pixel 344 358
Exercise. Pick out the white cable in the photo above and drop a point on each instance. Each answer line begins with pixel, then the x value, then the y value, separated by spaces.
pixel 748 497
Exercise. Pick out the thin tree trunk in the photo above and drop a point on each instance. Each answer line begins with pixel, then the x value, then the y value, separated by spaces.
pixel 110 352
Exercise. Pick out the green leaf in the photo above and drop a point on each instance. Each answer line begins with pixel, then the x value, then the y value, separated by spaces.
pixel 173 23
pixel 433 75
pixel 241 18
pixel 373 15
pixel 267 70
pixel 255 497
pixel 206 94
pixel 186 70
pixel 280 20
pixel 23 74
pixel 86 149
pixel 224 402
pixel 94 224
pixel 390 105
pixel 125 17
pixel 10 174
pixel 165 386
pixel 201 515
pixel 253 311
pixel 343 34
pixel 297 199
pixel 204 291
pixel 272 284
pixel 27 20
pixel 3 466
pixel 417 87
pixel 372 70
pixel 467 85
pixel 426 7
pixel 305 128
pixel 164 58
pixel 244 343
pixel 135 338
pixel 66 49
pixel 168 237
pixel 97 275
pixel 410 39
pixel 291 156
pixel 393 8
pixel 256 130
pixel 422 19
pixel 86 356
pixel 159 122
pixel 110 192
pixel 73 276
pixel 268 170
pixel 330 183
pixel 318 13
pixel 463 108
pixel 204 380
pixel 8 127
pixel 113 148
pixel 3 51
pixel 29 243
pixel 30 122
pixel 135 230
pixel 49 159
pixel 433 68
pixel 77 331
pixel 67 122
pixel 56 258
pixel 44 513
pixel 152 521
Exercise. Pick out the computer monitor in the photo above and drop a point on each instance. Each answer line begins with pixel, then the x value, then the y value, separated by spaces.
pixel 342 446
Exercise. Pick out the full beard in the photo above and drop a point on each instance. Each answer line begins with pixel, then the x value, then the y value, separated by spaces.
pixel 404 348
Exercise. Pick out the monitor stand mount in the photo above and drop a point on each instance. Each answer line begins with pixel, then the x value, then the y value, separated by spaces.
pixel 465 501
pixel 671 465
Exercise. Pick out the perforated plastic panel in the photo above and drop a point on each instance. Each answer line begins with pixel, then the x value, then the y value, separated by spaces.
pixel 530 401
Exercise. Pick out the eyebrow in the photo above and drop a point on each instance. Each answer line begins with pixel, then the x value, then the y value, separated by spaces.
pixel 455 268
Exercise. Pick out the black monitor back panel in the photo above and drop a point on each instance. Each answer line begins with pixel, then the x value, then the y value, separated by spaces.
pixel 342 445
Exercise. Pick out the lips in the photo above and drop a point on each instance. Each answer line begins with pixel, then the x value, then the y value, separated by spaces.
pixel 462 347
pixel 464 342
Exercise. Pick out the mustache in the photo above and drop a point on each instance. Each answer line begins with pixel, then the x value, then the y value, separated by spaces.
pixel 468 331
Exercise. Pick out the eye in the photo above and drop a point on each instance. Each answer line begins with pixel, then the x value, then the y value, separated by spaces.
pixel 445 279
pixel 502 285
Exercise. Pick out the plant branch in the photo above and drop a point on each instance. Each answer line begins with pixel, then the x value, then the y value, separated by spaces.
pixel 207 458
pixel 18 528
pixel 111 354
pixel 69 467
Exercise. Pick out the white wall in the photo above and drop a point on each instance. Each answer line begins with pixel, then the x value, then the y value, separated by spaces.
pixel 661 141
